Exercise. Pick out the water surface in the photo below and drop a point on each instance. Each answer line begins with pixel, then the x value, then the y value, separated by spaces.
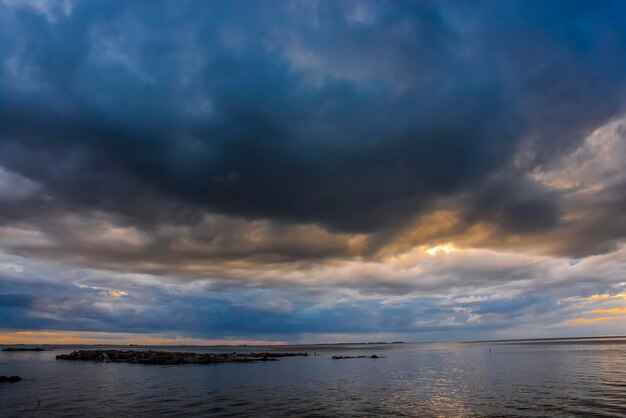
pixel 539 378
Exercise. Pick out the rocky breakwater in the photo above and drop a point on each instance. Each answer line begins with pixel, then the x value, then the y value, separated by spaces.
pixel 169 357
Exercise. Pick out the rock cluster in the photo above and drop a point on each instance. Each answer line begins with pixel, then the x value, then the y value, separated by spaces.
pixel 169 357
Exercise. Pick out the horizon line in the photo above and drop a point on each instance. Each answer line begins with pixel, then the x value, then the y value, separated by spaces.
pixel 329 344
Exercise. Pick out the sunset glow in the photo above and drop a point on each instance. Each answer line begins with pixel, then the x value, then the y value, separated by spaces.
pixel 443 249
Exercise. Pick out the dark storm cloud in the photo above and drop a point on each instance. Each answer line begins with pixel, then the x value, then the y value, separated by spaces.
pixel 357 116
pixel 519 205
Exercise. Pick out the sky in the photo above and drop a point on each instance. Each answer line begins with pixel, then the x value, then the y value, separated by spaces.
pixel 209 172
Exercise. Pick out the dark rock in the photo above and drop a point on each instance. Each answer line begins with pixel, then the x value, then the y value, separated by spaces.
pixel 9 379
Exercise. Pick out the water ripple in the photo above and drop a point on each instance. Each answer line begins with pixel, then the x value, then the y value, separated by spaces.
pixel 411 380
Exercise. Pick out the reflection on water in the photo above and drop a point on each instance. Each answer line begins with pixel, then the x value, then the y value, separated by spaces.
pixel 515 379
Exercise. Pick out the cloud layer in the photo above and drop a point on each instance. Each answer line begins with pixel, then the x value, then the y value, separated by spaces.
pixel 299 159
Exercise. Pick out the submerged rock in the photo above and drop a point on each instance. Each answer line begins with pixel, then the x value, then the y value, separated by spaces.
pixel 9 379
pixel 169 357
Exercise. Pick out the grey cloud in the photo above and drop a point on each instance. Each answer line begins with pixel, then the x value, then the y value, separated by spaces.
pixel 493 295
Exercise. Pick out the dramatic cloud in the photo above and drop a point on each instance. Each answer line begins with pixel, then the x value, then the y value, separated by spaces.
pixel 307 169
pixel 460 294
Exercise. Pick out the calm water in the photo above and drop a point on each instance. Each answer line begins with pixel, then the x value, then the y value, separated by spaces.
pixel 516 379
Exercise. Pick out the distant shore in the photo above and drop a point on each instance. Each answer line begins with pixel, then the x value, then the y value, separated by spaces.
pixel 347 345
pixel 540 340
pixel 26 349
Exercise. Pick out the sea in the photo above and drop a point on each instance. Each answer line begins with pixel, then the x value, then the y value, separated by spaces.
pixel 548 378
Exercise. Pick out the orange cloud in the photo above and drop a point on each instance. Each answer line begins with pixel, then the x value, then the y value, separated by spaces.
pixel 613 311
pixel 589 320
pixel 117 293
pixel 606 296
